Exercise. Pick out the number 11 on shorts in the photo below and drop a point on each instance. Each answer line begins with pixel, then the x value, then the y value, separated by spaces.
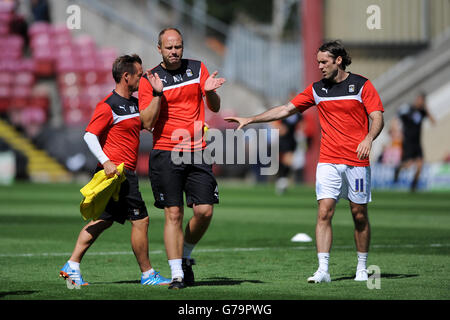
pixel 359 185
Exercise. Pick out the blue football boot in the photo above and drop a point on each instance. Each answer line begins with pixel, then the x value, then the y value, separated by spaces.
pixel 155 279
pixel 73 275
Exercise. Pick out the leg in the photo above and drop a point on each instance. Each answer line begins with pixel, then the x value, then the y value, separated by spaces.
pixel 87 237
pixel 139 243
pixel 199 223
pixel 324 236
pixel 173 232
pixel 324 233
pixel 362 226
pixel 419 165
pixel 173 239
pixel 362 238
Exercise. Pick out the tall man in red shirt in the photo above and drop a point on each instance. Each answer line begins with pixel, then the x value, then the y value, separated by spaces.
pixel 346 102
pixel 112 136
pixel 177 102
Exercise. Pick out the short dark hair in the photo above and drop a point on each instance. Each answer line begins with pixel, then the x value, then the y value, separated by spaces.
pixel 164 31
pixel 124 64
pixel 336 49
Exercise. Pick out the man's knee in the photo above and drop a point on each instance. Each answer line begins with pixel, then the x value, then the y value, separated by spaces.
pixel 203 211
pixel 174 215
pixel 359 213
pixel 141 223
pixel 326 210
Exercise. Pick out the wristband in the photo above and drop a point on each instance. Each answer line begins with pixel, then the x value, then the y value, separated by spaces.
pixel 157 94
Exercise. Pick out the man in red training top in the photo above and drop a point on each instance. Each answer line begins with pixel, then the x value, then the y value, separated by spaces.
pixel 345 102
pixel 112 136
pixel 177 102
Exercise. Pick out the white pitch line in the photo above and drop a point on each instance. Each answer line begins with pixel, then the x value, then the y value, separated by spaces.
pixel 113 253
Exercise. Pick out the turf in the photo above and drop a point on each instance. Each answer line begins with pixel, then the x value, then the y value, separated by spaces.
pixel 245 255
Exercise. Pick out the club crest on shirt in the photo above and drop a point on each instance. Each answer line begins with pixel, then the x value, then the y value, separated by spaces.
pixel 189 73
pixel 351 88
pixel 133 109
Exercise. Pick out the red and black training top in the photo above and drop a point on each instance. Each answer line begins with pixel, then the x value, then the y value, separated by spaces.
pixel 343 113
pixel 117 124
pixel 182 114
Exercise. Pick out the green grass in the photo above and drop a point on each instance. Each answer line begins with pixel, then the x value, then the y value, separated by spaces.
pixel 245 255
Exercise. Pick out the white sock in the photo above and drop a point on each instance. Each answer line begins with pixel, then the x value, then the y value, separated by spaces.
pixel 362 259
pixel 146 274
pixel 323 261
pixel 187 249
pixel 74 265
pixel 175 267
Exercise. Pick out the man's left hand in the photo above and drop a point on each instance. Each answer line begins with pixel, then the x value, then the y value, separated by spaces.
pixel 212 83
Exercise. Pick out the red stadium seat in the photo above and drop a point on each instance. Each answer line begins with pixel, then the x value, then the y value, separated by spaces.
pixel 37 28
pixel 24 78
pixel 40 98
pixel 69 79
pixel 6 78
pixel 5 94
pixel 20 97
pixel 31 115
pixel 60 30
pixel 43 62
pixel 25 65
pixel 7 6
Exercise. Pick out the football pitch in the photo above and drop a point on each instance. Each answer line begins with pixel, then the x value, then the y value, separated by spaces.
pixel 247 253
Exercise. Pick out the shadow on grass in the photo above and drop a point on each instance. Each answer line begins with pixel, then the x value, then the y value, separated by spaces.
pixel 206 282
pixel 15 293
pixel 383 276
pixel 223 282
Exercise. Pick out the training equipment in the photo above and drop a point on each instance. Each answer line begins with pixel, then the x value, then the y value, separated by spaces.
pixel 301 237
pixel 319 276
pixel 74 276
pixel 99 191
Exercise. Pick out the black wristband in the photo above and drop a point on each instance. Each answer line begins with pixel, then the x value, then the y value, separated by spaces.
pixel 157 94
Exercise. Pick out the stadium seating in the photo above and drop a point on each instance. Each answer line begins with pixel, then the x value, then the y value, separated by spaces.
pixel 82 71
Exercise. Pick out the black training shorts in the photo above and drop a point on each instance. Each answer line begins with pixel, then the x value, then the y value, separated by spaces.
pixel 170 180
pixel 411 151
pixel 130 205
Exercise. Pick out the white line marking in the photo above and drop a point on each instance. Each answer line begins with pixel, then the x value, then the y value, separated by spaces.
pixel 113 253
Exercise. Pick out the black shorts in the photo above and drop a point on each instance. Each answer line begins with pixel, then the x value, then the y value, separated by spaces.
pixel 411 151
pixel 169 181
pixel 130 205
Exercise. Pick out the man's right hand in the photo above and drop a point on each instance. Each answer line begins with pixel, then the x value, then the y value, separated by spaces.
pixel 110 169
pixel 241 121
pixel 155 81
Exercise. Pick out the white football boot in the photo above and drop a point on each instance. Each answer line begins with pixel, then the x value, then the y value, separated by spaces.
pixel 361 275
pixel 319 276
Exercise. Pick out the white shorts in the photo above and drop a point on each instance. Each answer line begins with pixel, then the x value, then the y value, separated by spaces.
pixel 337 181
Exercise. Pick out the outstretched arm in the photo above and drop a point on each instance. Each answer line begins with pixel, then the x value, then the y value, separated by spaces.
pixel 364 148
pixel 275 113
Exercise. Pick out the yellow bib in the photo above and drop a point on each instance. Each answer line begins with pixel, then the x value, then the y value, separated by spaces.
pixel 99 191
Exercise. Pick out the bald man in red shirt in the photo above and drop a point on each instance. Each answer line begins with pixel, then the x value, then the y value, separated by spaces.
pixel 174 110
pixel 345 102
